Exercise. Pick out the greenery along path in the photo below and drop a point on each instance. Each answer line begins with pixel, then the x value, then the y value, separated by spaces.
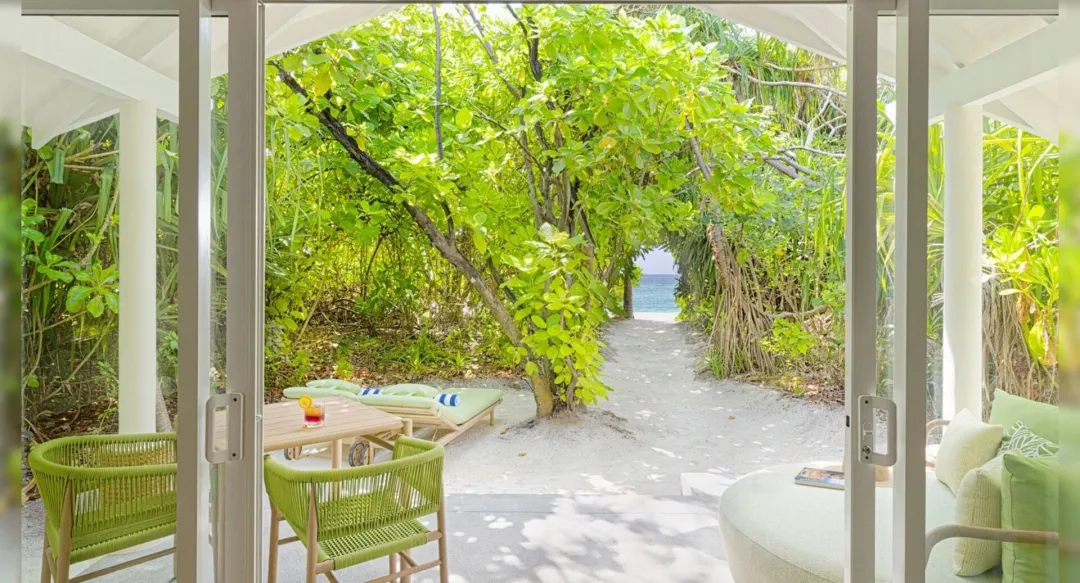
pixel 662 424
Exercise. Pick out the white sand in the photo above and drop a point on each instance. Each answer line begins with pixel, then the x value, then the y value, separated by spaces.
pixel 664 431
pixel 656 316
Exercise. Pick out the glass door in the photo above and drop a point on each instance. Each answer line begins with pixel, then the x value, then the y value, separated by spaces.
pixel 224 291
pixel 883 458
pixel 135 206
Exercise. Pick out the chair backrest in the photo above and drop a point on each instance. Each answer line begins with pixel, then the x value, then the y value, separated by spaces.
pixel 351 500
pixel 114 480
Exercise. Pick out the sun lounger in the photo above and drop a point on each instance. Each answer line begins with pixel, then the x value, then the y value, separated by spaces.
pixel 447 422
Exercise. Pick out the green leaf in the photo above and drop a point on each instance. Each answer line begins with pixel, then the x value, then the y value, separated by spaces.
pixel 34 235
pixel 76 298
pixel 479 241
pixel 385 60
pixel 464 118
pixel 112 301
pixel 56 166
pixel 322 83
pixel 104 194
pixel 540 323
pixel 531 368
pixel 292 63
pixel 96 306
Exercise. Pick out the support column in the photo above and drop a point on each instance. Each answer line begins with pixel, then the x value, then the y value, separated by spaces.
pixel 963 345
pixel 138 267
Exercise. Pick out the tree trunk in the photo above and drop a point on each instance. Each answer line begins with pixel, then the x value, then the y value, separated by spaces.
pixel 628 296
pixel 161 413
pixel 541 387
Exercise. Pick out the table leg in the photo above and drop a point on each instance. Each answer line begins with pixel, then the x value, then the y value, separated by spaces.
pixel 408 427
pixel 335 454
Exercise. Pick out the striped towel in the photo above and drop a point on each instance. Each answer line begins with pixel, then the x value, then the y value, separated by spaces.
pixel 448 399
pixel 369 391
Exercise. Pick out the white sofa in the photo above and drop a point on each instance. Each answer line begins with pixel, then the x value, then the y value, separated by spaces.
pixel 777 531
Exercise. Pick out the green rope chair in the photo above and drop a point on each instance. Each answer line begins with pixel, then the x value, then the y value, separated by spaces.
pixel 349 516
pixel 102 494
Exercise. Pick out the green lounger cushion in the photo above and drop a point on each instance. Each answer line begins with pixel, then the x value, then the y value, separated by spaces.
pixel 471 403
pixel 335 384
pixel 1029 501
pixel 410 390
pixel 405 401
pixel 1041 418
pixel 316 393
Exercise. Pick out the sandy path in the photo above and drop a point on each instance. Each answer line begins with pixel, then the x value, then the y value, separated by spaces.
pixel 663 431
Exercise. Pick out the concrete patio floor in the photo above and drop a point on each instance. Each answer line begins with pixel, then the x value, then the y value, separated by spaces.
pixel 512 538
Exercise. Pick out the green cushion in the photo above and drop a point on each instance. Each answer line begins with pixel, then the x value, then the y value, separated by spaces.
pixel 471 402
pixel 978 503
pixel 967 444
pixel 316 392
pixel 410 389
pixel 1042 418
pixel 1024 441
pixel 1029 501
pixel 335 384
pixel 422 403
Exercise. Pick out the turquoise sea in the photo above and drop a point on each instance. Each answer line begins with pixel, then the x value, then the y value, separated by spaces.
pixel 656 293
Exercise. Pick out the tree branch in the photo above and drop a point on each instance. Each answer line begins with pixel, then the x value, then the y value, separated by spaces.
pixel 803 69
pixel 813 151
pixel 438 240
pixel 490 50
pixel 804 84
pixel 800 315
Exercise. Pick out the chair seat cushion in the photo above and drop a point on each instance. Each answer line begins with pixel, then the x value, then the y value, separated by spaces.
pixel 775 530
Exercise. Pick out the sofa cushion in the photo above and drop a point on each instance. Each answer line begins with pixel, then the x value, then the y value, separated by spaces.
pixel 1029 501
pixel 777 531
pixel 1006 410
pixel 978 503
pixel 1024 441
pixel 967 444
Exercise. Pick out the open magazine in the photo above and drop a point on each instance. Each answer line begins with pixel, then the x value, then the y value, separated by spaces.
pixel 819 478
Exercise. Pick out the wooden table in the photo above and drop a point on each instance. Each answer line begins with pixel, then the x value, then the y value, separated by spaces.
pixel 283 426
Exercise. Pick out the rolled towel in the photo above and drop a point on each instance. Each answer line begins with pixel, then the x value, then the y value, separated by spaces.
pixel 369 391
pixel 448 399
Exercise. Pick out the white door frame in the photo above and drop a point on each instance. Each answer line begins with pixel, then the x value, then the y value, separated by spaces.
pixel 245 313
pixel 194 557
pixel 860 306
pixel 912 295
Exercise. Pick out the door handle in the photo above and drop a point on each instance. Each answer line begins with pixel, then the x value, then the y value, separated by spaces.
pixel 865 430
pixel 230 420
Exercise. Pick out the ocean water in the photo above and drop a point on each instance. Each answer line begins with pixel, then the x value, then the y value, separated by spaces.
pixel 656 293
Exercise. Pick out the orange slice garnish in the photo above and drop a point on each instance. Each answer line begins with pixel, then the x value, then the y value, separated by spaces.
pixel 306 402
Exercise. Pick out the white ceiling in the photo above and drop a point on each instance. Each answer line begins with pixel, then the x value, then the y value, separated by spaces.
pixel 79 69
